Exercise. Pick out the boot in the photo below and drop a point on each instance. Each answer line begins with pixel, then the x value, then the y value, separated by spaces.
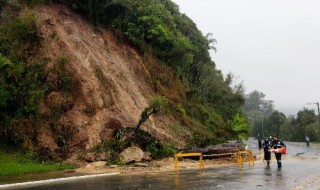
pixel 279 164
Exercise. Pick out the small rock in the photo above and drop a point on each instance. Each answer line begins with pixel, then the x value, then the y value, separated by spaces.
pixel 98 164
pixel 147 156
pixel 50 21
pixel 89 157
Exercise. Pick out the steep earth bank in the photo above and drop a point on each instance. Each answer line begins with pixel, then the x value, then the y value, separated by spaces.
pixel 109 84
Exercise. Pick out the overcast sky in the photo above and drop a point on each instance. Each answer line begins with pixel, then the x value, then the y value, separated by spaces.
pixel 273 46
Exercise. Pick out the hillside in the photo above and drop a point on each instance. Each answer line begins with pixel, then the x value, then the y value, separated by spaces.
pixel 86 81
pixel 112 83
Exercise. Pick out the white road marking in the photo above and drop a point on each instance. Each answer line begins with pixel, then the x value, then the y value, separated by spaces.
pixel 50 181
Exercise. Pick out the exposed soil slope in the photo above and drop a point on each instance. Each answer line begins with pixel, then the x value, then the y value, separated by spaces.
pixel 111 85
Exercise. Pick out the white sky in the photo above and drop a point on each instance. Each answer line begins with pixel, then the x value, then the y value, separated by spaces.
pixel 272 45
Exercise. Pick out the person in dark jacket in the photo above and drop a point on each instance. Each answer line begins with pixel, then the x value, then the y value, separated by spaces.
pixel 267 145
pixel 276 144
pixel 259 143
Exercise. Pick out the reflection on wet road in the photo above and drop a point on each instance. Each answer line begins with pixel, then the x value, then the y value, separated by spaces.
pixel 299 171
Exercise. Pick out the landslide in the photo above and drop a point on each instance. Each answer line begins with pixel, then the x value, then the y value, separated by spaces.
pixel 91 80
pixel 110 84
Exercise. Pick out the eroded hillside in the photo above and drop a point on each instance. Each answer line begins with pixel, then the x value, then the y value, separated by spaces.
pixel 110 84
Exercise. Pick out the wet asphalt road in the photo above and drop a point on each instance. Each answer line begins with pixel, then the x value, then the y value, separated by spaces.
pixel 301 170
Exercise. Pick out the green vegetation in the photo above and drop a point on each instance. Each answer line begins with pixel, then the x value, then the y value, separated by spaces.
pixel 64 82
pixel 15 163
pixel 20 83
pixel 268 122
pixel 297 128
pixel 24 83
pixel 240 127
pixel 19 37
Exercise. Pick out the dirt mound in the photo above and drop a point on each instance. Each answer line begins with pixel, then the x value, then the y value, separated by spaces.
pixel 112 83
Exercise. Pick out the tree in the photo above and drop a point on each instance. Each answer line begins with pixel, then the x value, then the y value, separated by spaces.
pixel 257 110
pixel 286 130
pixel 158 103
pixel 255 101
pixel 305 117
pixel 240 127
pixel 274 123
pixel 312 131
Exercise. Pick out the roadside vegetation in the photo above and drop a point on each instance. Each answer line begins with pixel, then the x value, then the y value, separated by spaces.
pixel 20 81
pixel 16 163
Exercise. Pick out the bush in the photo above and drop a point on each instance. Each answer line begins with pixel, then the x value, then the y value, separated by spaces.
pixel 113 147
pixel 63 60
pixel 159 150
pixel 144 140
pixel 20 95
pixel 20 38
pixel 64 84
pixel 181 110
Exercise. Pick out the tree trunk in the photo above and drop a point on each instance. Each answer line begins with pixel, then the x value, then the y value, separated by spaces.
pixel 230 147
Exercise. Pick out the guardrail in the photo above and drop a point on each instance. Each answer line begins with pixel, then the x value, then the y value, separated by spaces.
pixel 179 155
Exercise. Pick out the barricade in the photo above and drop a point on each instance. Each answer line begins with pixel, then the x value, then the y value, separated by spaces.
pixel 179 155
pixel 240 158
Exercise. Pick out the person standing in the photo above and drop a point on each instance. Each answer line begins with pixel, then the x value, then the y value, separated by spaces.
pixel 259 143
pixel 307 140
pixel 277 144
pixel 267 146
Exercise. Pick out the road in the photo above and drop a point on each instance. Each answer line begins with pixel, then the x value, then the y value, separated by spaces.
pixel 300 171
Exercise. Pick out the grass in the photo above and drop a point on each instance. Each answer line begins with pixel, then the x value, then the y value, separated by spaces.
pixel 14 163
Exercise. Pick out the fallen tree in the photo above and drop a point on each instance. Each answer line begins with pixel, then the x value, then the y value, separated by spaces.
pixel 221 149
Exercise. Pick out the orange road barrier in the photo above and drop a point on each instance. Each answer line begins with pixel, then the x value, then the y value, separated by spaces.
pixel 178 155
pixel 240 159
